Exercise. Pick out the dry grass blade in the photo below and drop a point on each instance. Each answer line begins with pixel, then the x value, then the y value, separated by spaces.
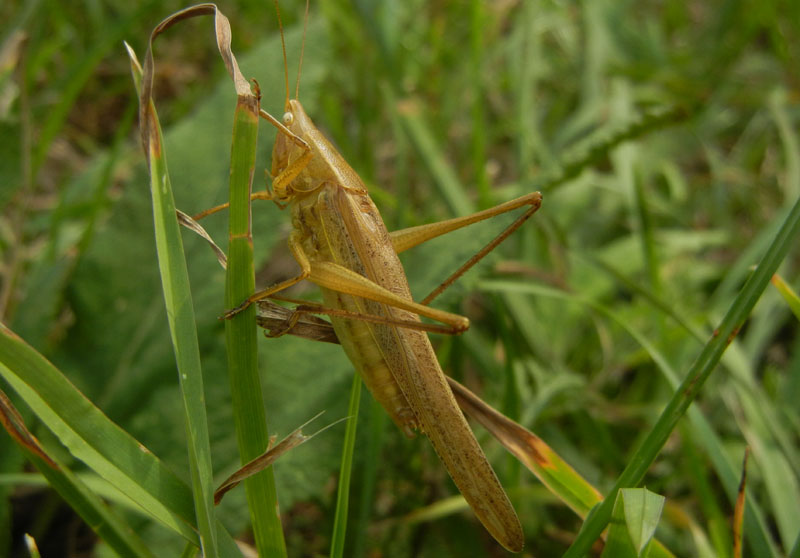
pixel 788 294
pixel 738 514
pixel 15 426
pixel 11 52
pixel 188 222
pixel 555 473
pixel 531 450
pixel 294 439
pixel 272 316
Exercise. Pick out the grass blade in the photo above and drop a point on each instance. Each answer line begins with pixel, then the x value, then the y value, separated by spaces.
pixel 91 437
pixel 343 494
pixel 754 519
pixel 241 332
pixel 553 471
pixel 89 505
pixel 690 387
pixel 177 292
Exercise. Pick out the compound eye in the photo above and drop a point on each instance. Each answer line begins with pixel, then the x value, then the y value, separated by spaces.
pixel 288 118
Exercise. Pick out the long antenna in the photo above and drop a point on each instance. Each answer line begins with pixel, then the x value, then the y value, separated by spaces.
pixel 283 45
pixel 302 51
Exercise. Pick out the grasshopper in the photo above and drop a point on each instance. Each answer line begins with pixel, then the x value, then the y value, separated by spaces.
pixel 341 244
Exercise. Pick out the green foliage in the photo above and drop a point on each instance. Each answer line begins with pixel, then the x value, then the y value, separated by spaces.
pixel 663 136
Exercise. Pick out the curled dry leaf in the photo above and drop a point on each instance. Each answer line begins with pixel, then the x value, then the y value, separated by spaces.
pixel 194 226
pixel 222 27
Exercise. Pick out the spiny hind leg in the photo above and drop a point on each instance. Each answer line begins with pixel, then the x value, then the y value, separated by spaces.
pixel 341 279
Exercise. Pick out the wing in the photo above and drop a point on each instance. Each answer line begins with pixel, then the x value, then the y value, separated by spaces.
pixel 385 354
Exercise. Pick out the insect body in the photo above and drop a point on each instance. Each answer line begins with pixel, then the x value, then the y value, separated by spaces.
pixel 341 243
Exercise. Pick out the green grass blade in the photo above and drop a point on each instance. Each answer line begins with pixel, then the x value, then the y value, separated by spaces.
pixel 107 524
pixel 343 494
pixel 478 18
pixel 778 106
pixel 88 504
pixel 647 233
pixel 376 420
pixel 757 532
pixel 690 387
pixel 92 438
pixel 618 543
pixel 756 405
pixel 241 332
pixel 180 314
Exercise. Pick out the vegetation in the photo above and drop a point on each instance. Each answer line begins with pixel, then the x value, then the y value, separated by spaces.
pixel 664 138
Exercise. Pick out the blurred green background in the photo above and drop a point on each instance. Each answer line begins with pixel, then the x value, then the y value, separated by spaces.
pixel 663 135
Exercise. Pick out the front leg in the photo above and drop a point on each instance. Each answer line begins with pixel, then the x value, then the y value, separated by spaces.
pixel 305 270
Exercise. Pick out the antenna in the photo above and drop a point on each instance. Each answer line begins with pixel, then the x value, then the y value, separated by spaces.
pixel 283 45
pixel 302 52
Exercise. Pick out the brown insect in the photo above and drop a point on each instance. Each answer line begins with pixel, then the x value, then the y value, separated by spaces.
pixel 341 243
